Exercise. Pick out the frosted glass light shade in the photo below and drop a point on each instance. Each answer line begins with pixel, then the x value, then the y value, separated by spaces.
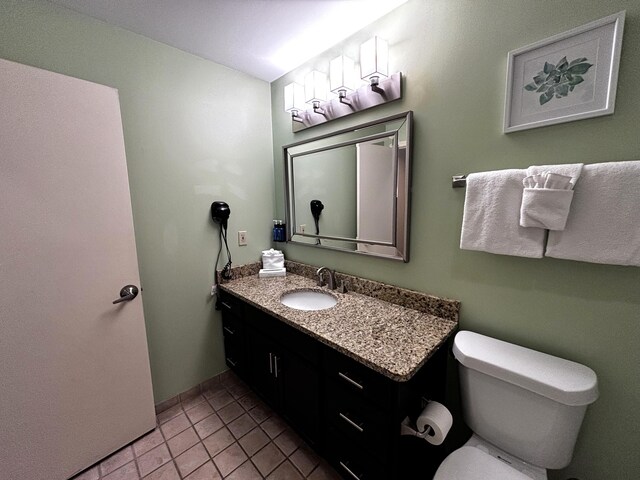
pixel 294 98
pixel 315 87
pixel 374 59
pixel 342 74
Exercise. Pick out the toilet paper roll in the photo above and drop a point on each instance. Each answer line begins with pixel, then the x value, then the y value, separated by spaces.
pixel 438 418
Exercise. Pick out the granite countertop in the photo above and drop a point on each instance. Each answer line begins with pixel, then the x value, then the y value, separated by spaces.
pixel 392 339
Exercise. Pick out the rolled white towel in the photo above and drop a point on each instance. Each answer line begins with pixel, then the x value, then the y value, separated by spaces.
pixel 546 201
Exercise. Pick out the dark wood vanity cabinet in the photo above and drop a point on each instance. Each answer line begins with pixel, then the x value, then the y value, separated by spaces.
pixel 280 363
pixel 350 413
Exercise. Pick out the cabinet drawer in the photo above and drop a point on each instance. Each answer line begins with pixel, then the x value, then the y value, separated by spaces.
pixel 358 379
pixel 231 305
pixel 366 427
pixel 231 326
pixel 353 462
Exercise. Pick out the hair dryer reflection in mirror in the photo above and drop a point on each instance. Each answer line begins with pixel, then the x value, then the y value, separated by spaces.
pixel 316 210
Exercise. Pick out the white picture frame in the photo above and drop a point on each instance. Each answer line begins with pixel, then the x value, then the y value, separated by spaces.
pixel 567 77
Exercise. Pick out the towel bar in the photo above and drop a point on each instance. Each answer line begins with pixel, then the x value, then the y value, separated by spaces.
pixel 458 181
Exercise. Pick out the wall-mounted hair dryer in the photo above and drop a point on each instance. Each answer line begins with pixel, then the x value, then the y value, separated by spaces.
pixel 316 210
pixel 220 212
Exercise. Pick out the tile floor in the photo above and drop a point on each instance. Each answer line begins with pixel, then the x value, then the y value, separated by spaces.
pixel 224 433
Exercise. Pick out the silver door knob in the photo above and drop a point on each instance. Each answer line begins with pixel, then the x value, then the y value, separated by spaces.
pixel 128 292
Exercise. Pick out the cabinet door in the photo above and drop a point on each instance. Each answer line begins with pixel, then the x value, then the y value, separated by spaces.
pixel 300 394
pixel 263 365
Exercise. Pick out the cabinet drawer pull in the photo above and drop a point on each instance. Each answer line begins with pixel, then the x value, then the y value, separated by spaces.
pixel 231 362
pixel 226 305
pixel 351 381
pixel 275 368
pixel 349 471
pixel 229 331
pixel 270 363
pixel 351 422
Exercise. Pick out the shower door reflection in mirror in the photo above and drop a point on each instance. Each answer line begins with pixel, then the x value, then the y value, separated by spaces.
pixel 349 190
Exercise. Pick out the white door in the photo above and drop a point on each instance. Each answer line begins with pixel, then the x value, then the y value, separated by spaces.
pixel 75 382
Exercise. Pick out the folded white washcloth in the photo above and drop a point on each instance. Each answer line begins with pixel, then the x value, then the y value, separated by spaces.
pixel 491 216
pixel 604 224
pixel 546 201
pixel 278 272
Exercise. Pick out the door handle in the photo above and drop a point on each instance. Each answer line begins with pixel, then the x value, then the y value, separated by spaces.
pixel 128 293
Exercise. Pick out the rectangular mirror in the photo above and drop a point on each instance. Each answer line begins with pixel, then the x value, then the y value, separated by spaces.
pixel 349 190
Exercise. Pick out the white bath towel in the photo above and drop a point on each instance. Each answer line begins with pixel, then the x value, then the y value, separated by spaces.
pixel 604 222
pixel 573 170
pixel 491 221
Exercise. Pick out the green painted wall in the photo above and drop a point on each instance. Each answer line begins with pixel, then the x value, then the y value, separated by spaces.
pixel 194 132
pixel 453 55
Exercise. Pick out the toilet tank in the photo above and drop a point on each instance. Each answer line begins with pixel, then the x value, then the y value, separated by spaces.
pixel 525 402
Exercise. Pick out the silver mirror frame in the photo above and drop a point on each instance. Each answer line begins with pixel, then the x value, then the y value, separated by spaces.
pixel 402 249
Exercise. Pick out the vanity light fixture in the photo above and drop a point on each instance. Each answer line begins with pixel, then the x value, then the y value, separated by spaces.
pixel 374 62
pixel 315 90
pixel 342 77
pixel 294 100
pixel 342 85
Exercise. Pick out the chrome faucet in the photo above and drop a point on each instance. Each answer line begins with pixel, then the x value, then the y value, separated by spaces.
pixel 331 283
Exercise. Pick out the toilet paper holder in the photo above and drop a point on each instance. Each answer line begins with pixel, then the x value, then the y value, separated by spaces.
pixel 432 424
pixel 407 427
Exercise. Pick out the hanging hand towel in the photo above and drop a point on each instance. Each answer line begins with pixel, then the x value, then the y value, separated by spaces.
pixel 491 216
pixel 604 224
pixel 546 201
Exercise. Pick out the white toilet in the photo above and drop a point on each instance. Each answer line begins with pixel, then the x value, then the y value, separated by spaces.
pixel 524 407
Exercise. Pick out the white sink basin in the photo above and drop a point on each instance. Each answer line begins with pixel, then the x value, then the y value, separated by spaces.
pixel 308 300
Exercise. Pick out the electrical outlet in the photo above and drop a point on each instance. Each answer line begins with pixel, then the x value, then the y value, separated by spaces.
pixel 214 290
pixel 242 238
pixel 302 227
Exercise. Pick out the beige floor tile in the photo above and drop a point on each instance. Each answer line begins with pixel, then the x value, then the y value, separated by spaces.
pixel 193 401
pixel 230 412
pixel 183 441
pixel 116 460
pixel 273 426
pixel 199 412
pixel 285 471
pixel 221 399
pixel 146 443
pixel 242 425
pixel 153 459
pixel 213 390
pixel 91 474
pixel 126 472
pixel 267 459
pixel 254 441
pixel 260 413
pixel 166 472
pixel 208 471
pixel 288 441
pixel 218 441
pixel 249 401
pixel 324 472
pixel 169 414
pixel 175 426
pixel 238 390
pixel 305 460
pixel 191 459
pixel 206 427
pixel 230 459
pixel 246 471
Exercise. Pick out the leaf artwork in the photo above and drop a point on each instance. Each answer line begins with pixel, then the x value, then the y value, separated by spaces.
pixel 559 79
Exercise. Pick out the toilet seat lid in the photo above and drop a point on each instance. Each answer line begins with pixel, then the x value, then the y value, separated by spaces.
pixel 471 463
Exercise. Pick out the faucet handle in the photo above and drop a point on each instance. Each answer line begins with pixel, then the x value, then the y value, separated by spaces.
pixel 342 288
pixel 320 282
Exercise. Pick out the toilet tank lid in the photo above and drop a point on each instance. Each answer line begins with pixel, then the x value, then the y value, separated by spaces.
pixel 561 380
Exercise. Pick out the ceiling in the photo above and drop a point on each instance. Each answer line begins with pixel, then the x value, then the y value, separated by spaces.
pixel 263 38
